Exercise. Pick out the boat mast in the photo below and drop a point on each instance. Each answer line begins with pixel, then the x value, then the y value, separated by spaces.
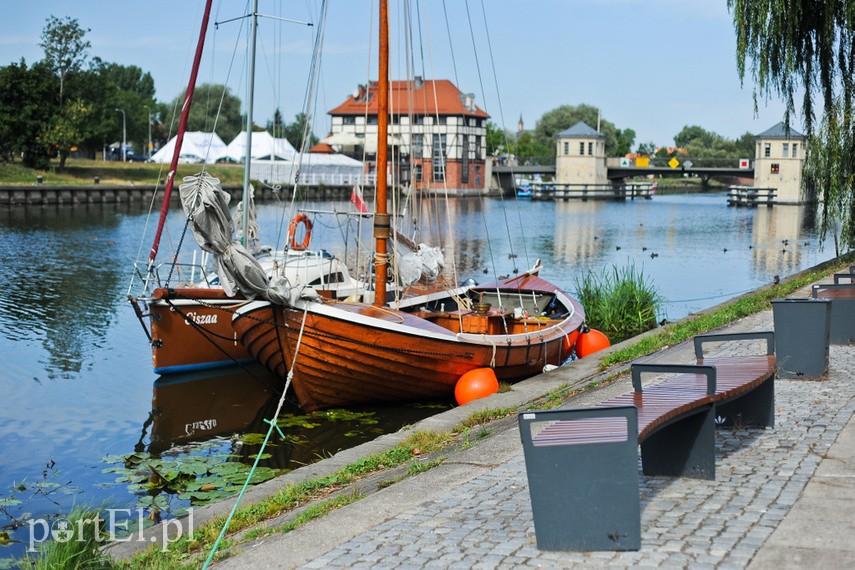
pixel 179 138
pixel 249 110
pixel 381 216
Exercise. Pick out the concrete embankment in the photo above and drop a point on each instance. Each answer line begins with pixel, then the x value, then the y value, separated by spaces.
pixel 47 194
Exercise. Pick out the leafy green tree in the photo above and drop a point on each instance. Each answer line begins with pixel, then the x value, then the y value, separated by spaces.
pixel 65 48
pixel 806 48
pixel 625 140
pixel 66 129
pixel 563 117
pixel 497 138
pixel 27 105
pixel 214 108
pixel 695 135
pixel 277 124
pixel 527 147
pixel 648 148
pixel 745 145
pixel 294 132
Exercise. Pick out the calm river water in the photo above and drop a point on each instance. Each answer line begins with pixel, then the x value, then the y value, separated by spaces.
pixel 76 378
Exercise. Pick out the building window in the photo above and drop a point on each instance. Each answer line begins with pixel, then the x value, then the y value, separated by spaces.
pixel 439 154
pixel 348 120
pixel 464 173
pixel 786 149
pixel 442 120
pixel 566 148
pixel 767 150
pixel 795 150
pixel 590 149
pixel 417 172
pixel 477 149
pixel 418 145
pixel 582 148
pixel 372 119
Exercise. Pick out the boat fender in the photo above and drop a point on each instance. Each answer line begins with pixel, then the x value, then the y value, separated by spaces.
pixel 591 341
pixel 301 218
pixel 475 384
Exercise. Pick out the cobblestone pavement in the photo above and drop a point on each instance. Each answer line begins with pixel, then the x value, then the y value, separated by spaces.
pixel 486 522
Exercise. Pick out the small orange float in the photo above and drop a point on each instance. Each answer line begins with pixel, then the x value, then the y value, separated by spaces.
pixel 478 383
pixel 300 218
pixel 591 341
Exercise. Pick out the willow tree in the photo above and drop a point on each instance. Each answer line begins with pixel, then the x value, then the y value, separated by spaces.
pixel 805 49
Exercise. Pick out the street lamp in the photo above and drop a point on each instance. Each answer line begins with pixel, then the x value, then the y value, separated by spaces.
pixel 148 153
pixel 124 135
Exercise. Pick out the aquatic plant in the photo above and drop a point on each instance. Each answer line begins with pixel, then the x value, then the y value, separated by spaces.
pixel 199 479
pixel 620 302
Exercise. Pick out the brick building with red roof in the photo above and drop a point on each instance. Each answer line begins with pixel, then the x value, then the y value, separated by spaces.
pixel 437 135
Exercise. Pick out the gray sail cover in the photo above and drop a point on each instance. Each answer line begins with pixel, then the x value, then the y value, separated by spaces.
pixel 207 208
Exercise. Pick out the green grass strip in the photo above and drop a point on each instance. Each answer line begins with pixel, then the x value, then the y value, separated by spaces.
pixel 723 315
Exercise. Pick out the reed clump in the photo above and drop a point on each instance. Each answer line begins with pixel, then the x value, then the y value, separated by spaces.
pixel 620 302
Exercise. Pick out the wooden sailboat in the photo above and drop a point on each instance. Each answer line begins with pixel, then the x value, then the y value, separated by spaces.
pixel 189 324
pixel 343 353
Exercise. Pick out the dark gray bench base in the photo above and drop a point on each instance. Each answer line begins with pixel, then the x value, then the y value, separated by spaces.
pixel 582 464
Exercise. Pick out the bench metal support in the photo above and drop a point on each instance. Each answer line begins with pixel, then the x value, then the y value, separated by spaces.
pixel 700 339
pixel 584 494
pixel 754 408
pixel 683 448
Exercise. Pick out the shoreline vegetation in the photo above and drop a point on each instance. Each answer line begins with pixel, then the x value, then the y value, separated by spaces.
pixel 296 505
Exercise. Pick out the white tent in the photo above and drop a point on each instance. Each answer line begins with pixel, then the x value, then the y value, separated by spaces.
pixel 329 169
pixel 197 147
pixel 264 147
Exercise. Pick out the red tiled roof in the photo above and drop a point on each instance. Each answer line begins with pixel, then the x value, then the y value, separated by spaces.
pixel 322 148
pixel 431 97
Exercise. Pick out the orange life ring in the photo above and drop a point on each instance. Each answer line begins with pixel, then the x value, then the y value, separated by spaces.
pixel 300 218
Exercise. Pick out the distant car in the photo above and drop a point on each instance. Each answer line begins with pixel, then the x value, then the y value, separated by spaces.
pixel 189 159
pixel 133 157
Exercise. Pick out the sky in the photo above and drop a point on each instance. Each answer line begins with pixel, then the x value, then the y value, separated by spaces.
pixel 652 66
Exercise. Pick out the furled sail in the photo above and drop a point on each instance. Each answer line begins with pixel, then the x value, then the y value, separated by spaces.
pixel 206 205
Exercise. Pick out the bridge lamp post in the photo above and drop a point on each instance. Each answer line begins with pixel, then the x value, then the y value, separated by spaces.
pixel 124 135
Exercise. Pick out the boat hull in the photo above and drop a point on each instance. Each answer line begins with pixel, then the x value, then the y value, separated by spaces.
pixel 191 329
pixel 352 353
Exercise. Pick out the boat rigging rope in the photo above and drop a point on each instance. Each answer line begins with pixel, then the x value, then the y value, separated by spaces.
pixel 273 425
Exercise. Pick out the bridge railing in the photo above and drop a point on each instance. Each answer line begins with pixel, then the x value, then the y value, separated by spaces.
pixel 513 160
pixel 683 162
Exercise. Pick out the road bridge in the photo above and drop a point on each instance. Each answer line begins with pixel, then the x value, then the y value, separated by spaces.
pixel 619 169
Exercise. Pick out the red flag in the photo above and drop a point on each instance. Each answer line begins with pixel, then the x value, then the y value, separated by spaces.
pixel 356 198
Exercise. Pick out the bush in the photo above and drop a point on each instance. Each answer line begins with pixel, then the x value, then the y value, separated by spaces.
pixel 619 302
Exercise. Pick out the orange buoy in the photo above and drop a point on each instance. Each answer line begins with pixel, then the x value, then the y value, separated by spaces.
pixel 568 342
pixel 591 341
pixel 478 383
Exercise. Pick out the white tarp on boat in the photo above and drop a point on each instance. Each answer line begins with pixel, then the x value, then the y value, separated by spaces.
pixel 264 147
pixel 197 147
pixel 207 207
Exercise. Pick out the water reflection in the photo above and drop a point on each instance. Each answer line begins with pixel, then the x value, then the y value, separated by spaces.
pixel 235 407
pixel 60 281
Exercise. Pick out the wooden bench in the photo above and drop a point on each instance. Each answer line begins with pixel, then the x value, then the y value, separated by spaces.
pixel 842 296
pixel 582 464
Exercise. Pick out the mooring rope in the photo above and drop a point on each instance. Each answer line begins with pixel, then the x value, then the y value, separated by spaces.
pixel 273 425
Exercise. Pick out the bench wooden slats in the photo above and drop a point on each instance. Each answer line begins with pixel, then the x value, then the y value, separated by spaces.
pixel 673 421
